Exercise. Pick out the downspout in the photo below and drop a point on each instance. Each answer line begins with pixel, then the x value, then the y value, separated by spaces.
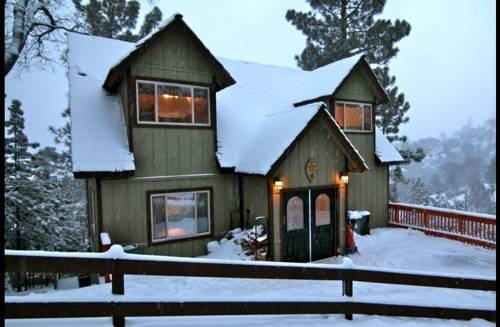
pixel 240 194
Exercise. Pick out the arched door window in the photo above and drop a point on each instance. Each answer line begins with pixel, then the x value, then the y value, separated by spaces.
pixel 294 214
pixel 322 210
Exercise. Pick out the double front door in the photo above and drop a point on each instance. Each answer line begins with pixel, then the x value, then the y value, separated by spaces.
pixel 309 224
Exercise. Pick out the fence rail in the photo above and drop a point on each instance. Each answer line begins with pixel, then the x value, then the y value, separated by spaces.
pixel 204 268
pixel 461 226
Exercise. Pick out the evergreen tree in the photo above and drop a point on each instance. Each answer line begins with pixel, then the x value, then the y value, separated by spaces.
pixel 115 18
pixel 419 193
pixel 337 29
pixel 30 208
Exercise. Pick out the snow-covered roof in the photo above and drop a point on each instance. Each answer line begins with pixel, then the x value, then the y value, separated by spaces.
pixel 98 134
pixel 256 117
pixel 384 150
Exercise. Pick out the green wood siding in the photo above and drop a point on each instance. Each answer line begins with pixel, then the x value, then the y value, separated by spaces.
pixel 316 143
pixel 126 218
pixel 369 190
pixel 357 87
pixel 92 211
pixel 255 197
pixel 163 150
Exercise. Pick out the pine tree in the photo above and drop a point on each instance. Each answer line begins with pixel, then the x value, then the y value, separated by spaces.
pixel 115 18
pixel 419 193
pixel 337 29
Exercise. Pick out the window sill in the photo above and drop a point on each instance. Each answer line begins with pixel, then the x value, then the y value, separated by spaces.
pixel 180 239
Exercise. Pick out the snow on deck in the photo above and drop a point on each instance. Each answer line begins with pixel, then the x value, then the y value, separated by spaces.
pixel 384 249
pixel 99 139
pixel 466 213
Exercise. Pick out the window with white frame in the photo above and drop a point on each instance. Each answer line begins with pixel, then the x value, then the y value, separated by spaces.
pixel 353 116
pixel 180 214
pixel 172 104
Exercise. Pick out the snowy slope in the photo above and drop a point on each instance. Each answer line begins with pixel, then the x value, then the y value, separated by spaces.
pixel 384 248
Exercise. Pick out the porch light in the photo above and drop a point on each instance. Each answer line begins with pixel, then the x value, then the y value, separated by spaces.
pixel 344 178
pixel 278 184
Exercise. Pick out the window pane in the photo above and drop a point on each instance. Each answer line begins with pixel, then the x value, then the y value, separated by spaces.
pixel 181 214
pixel 146 101
pixel 339 114
pixel 158 205
pixel 174 104
pixel 201 111
pixel 353 116
pixel 322 210
pixel 202 211
pixel 367 124
pixel 294 214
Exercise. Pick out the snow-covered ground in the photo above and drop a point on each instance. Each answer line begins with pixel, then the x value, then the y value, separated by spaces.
pixel 384 248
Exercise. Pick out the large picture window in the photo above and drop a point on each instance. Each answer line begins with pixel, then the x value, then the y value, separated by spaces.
pixel 172 104
pixel 180 215
pixel 354 116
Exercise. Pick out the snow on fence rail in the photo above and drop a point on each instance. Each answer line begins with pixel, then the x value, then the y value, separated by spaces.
pixel 467 227
pixel 118 264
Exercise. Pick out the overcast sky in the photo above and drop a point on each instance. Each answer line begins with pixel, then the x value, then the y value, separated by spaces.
pixel 446 66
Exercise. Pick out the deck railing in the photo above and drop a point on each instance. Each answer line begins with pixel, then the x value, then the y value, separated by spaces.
pixel 120 307
pixel 467 227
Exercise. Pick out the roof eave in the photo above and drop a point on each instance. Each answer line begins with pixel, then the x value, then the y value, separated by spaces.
pixel 114 74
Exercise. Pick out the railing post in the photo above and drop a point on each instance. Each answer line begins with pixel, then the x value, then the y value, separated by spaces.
pixel 347 290
pixel 426 219
pixel 118 287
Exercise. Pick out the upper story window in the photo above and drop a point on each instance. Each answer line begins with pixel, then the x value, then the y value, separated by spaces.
pixel 172 104
pixel 353 116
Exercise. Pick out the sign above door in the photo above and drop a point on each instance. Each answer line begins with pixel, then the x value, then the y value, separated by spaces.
pixel 311 168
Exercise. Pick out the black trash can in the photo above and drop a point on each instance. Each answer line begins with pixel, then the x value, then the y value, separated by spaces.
pixel 360 222
pixel 84 280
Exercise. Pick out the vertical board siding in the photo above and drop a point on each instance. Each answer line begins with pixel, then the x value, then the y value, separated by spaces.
pixel 125 211
pixel 316 143
pixel 357 87
pixel 255 197
pixel 162 150
pixel 369 190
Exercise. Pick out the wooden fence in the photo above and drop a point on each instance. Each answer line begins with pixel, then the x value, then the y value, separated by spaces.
pixel 121 308
pixel 469 228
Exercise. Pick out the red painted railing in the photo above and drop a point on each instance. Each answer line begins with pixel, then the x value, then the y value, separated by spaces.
pixel 472 228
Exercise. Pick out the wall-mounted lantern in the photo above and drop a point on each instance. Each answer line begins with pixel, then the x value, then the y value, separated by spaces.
pixel 278 184
pixel 344 178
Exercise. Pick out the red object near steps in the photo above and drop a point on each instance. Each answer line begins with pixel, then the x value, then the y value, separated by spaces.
pixel 350 243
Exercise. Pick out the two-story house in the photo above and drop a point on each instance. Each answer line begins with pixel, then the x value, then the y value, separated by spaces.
pixel 177 146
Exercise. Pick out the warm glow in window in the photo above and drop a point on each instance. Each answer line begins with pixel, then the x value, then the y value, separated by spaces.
pixel 180 215
pixel 173 104
pixel 353 116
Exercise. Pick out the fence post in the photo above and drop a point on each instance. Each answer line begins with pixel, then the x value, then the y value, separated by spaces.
pixel 426 219
pixel 347 290
pixel 118 287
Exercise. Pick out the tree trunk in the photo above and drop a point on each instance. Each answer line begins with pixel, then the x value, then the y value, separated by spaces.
pixel 15 46
pixel 343 25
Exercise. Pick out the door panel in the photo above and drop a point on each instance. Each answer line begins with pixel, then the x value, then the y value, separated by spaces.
pixel 295 208
pixel 323 223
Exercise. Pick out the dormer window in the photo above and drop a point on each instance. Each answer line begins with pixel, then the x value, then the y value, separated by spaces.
pixel 354 117
pixel 172 104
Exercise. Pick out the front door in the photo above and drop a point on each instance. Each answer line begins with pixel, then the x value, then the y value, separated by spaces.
pixel 296 220
pixel 309 224
pixel 322 223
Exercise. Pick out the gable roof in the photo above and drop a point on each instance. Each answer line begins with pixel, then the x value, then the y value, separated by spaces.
pixel 250 140
pixel 264 99
pixel 223 78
